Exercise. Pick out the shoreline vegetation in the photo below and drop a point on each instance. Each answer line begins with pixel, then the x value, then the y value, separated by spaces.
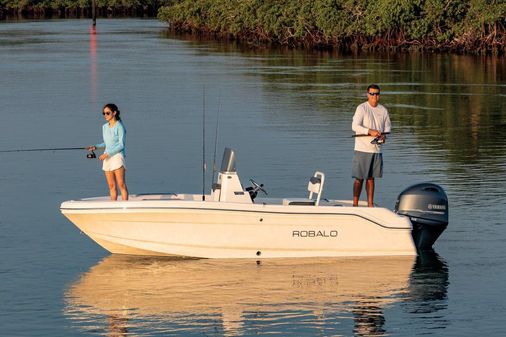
pixel 457 26
pixel 43 9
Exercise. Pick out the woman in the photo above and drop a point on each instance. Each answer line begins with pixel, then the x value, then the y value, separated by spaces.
pixel 113 158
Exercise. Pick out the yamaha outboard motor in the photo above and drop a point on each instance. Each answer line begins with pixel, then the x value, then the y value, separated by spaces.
pixel 426 205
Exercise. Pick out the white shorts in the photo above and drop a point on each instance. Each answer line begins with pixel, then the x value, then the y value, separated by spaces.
pixel 114 162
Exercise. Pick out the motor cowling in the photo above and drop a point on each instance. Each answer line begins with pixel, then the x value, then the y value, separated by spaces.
pixel 426 205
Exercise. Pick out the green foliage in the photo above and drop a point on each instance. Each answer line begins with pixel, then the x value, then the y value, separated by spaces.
pixel 433 23
pixel 463 25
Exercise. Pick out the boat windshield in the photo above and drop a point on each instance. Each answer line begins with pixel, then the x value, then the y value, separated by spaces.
pixel 228 162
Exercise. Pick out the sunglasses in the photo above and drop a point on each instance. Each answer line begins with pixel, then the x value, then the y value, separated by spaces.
pixel 106 113
pixel 374 93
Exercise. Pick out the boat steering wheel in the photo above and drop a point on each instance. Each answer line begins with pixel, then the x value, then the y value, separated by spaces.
pixel 253 190
pixel 257 187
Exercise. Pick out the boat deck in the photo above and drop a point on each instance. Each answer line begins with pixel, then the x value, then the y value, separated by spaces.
pixel 258 201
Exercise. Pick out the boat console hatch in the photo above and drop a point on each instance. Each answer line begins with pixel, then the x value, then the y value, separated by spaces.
pixel 228 187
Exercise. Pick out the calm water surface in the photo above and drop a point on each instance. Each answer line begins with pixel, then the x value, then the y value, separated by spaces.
pixel 287 114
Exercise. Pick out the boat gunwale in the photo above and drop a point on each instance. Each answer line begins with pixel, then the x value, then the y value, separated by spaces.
pixel 263 211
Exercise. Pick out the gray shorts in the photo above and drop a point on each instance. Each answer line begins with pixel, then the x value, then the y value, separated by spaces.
pixel 367 165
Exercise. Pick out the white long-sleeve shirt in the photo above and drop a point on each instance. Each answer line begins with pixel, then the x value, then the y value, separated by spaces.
pixel 367 117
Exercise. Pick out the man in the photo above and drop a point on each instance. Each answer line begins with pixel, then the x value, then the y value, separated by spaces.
pixel 370 119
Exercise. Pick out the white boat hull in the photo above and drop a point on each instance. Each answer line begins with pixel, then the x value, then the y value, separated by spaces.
pixel 227 230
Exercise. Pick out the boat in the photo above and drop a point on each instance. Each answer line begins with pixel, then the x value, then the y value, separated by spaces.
pixel 235 222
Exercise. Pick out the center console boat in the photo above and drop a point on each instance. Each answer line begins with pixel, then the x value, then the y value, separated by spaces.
pixel 234 222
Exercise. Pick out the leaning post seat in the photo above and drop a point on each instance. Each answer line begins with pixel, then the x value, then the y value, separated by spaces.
pixel 315 186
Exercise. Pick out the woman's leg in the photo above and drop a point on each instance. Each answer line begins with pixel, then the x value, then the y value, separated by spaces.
pixel 109 176
pixel 120 179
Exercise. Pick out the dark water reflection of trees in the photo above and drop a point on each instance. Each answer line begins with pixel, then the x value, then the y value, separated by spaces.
pixel 453 102
pixel 450 104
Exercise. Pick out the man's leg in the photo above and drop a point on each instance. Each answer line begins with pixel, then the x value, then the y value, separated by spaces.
pixel 369 187
pixel 357 189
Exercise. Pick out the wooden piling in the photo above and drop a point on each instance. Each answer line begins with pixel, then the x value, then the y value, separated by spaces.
pixel 94 12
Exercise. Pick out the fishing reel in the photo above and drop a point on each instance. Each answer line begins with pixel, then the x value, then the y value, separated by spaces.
pixel 91 155
pixel 378 141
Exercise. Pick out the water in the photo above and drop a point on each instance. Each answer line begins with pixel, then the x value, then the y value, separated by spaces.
pixel 287 114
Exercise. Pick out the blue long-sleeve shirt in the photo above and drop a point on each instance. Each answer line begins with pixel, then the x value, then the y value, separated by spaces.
pixel 114 139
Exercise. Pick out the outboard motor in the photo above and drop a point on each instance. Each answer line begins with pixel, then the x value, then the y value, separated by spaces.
pixel 426 205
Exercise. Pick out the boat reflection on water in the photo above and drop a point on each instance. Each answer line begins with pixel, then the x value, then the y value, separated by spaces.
pixel 428 292
pixel 124 295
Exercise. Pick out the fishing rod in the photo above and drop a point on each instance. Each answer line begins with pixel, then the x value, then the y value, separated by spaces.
pixel 376 140
pixel 203 142
pixel 383 133
pixel 216 135
pixel 89 155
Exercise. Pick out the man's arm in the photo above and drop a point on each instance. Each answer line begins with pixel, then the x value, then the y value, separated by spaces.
pixel 358 120
pixel 388 125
